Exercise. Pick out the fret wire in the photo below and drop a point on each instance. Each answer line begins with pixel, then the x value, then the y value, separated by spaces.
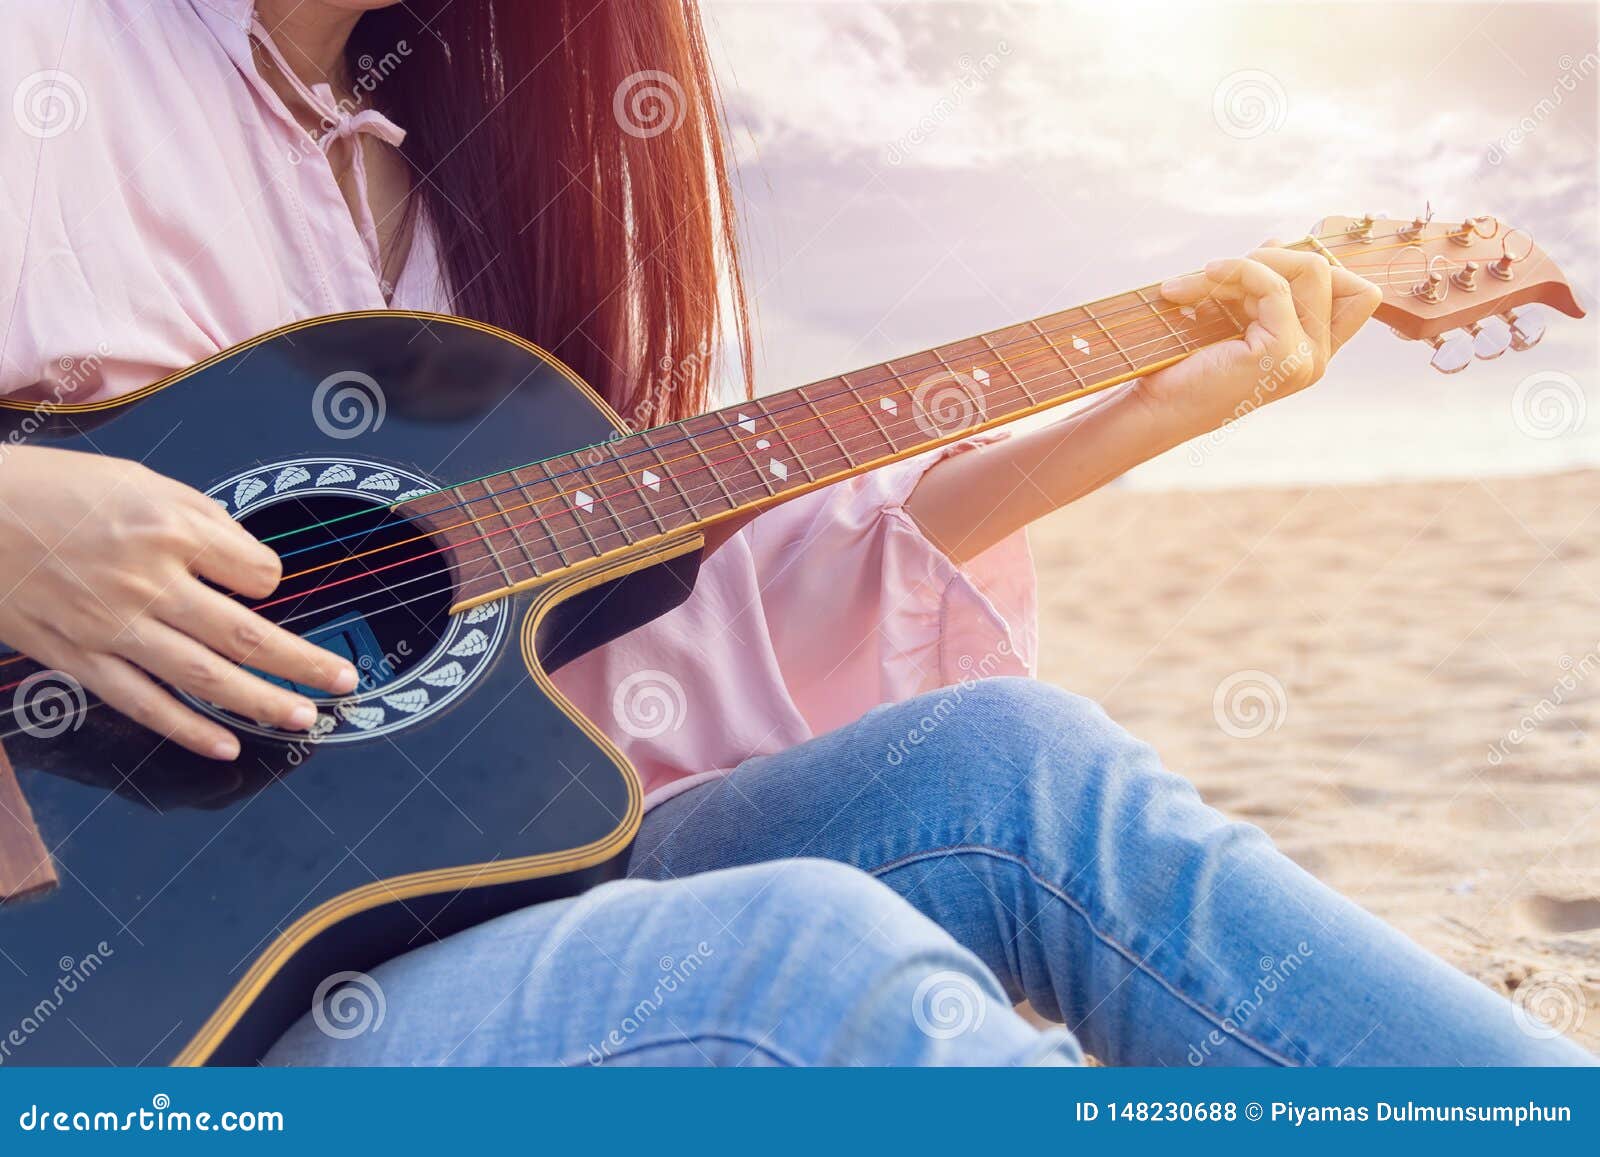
pixel 794 450
pixel 572 509
pixel 644 499
pixel 1061 355
pixel 511 527
pixel 668 474
pixel 483 542
pixel 872 411
pixel 1154 308
pixel 535 510
pixel 605 504
pixel 1016 378
pixel 823 422
pixel 710 467
pixel 1115 344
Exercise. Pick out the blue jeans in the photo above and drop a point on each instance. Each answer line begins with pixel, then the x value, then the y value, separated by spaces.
pixel 884 894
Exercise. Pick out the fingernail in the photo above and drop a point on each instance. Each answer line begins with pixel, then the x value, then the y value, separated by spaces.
pixel 303 716
pixel 345 680
pixel 225 748
pixel 1170 287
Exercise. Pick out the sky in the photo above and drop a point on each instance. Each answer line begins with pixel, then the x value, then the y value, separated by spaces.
pixel 915 172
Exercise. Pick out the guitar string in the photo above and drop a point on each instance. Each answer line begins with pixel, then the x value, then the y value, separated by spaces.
pixel 862 405
pixel 737 490
pixel 591 480
pixel 1041 348
pixel 1368 246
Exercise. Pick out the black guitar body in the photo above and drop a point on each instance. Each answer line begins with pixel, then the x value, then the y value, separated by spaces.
pixel 201 905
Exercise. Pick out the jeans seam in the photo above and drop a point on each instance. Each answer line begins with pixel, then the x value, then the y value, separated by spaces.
pixel 1122 950
pixel 690 1038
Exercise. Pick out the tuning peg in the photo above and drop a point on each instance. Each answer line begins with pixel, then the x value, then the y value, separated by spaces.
pixel 1526 326
pixel 1491 337
pixel 1452 352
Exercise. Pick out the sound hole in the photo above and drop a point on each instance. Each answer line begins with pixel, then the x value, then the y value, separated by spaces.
pixel 359 580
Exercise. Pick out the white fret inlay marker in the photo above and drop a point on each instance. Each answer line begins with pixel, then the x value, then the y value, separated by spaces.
pixel 1080 345
pixel 980 374
pixel 651 479
pixel 779 470
pixel 762 443
pixel 889 404
pixel 747 423
pixel 583 500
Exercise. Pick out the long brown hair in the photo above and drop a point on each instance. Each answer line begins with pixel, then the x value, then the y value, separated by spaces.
pixel 569 154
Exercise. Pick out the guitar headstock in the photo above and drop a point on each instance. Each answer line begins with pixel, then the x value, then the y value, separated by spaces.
pixel 1470 288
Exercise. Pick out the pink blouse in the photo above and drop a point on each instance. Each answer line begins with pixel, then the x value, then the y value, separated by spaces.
pixel 158 203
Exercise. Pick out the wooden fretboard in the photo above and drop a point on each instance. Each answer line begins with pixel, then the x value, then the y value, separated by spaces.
pixel 540 519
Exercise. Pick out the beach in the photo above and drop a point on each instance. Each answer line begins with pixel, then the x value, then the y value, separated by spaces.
pixel 1399 682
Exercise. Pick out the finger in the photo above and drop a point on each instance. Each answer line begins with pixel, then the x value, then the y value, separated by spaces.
pixel 176 659
pixel 1266 294
pixel 244 637
pixel 1310 279
pixel 230 556
pixel 1354 300
pixel 125 688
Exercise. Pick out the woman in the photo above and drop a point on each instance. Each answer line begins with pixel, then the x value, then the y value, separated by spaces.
pixel 879 868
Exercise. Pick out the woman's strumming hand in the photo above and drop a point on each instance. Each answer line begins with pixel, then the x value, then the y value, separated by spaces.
pixel 104 561
pixel 1300 310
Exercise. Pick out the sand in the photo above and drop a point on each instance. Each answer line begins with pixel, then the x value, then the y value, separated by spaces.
pixel 1409 681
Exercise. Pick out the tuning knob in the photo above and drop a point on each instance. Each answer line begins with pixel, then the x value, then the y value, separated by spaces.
pixel 1491 337
pixel 1452 352
pixel 1526 327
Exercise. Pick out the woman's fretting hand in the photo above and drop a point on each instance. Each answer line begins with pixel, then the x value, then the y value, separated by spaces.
pixel 1301 310
pixel 104 560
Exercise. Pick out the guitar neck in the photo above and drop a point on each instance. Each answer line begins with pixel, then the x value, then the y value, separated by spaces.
pixel 733 462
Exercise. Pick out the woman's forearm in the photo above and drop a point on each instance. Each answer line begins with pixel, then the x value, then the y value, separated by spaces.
pixel 968 502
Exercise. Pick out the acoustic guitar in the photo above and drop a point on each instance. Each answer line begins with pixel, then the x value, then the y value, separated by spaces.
pixel 459 515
